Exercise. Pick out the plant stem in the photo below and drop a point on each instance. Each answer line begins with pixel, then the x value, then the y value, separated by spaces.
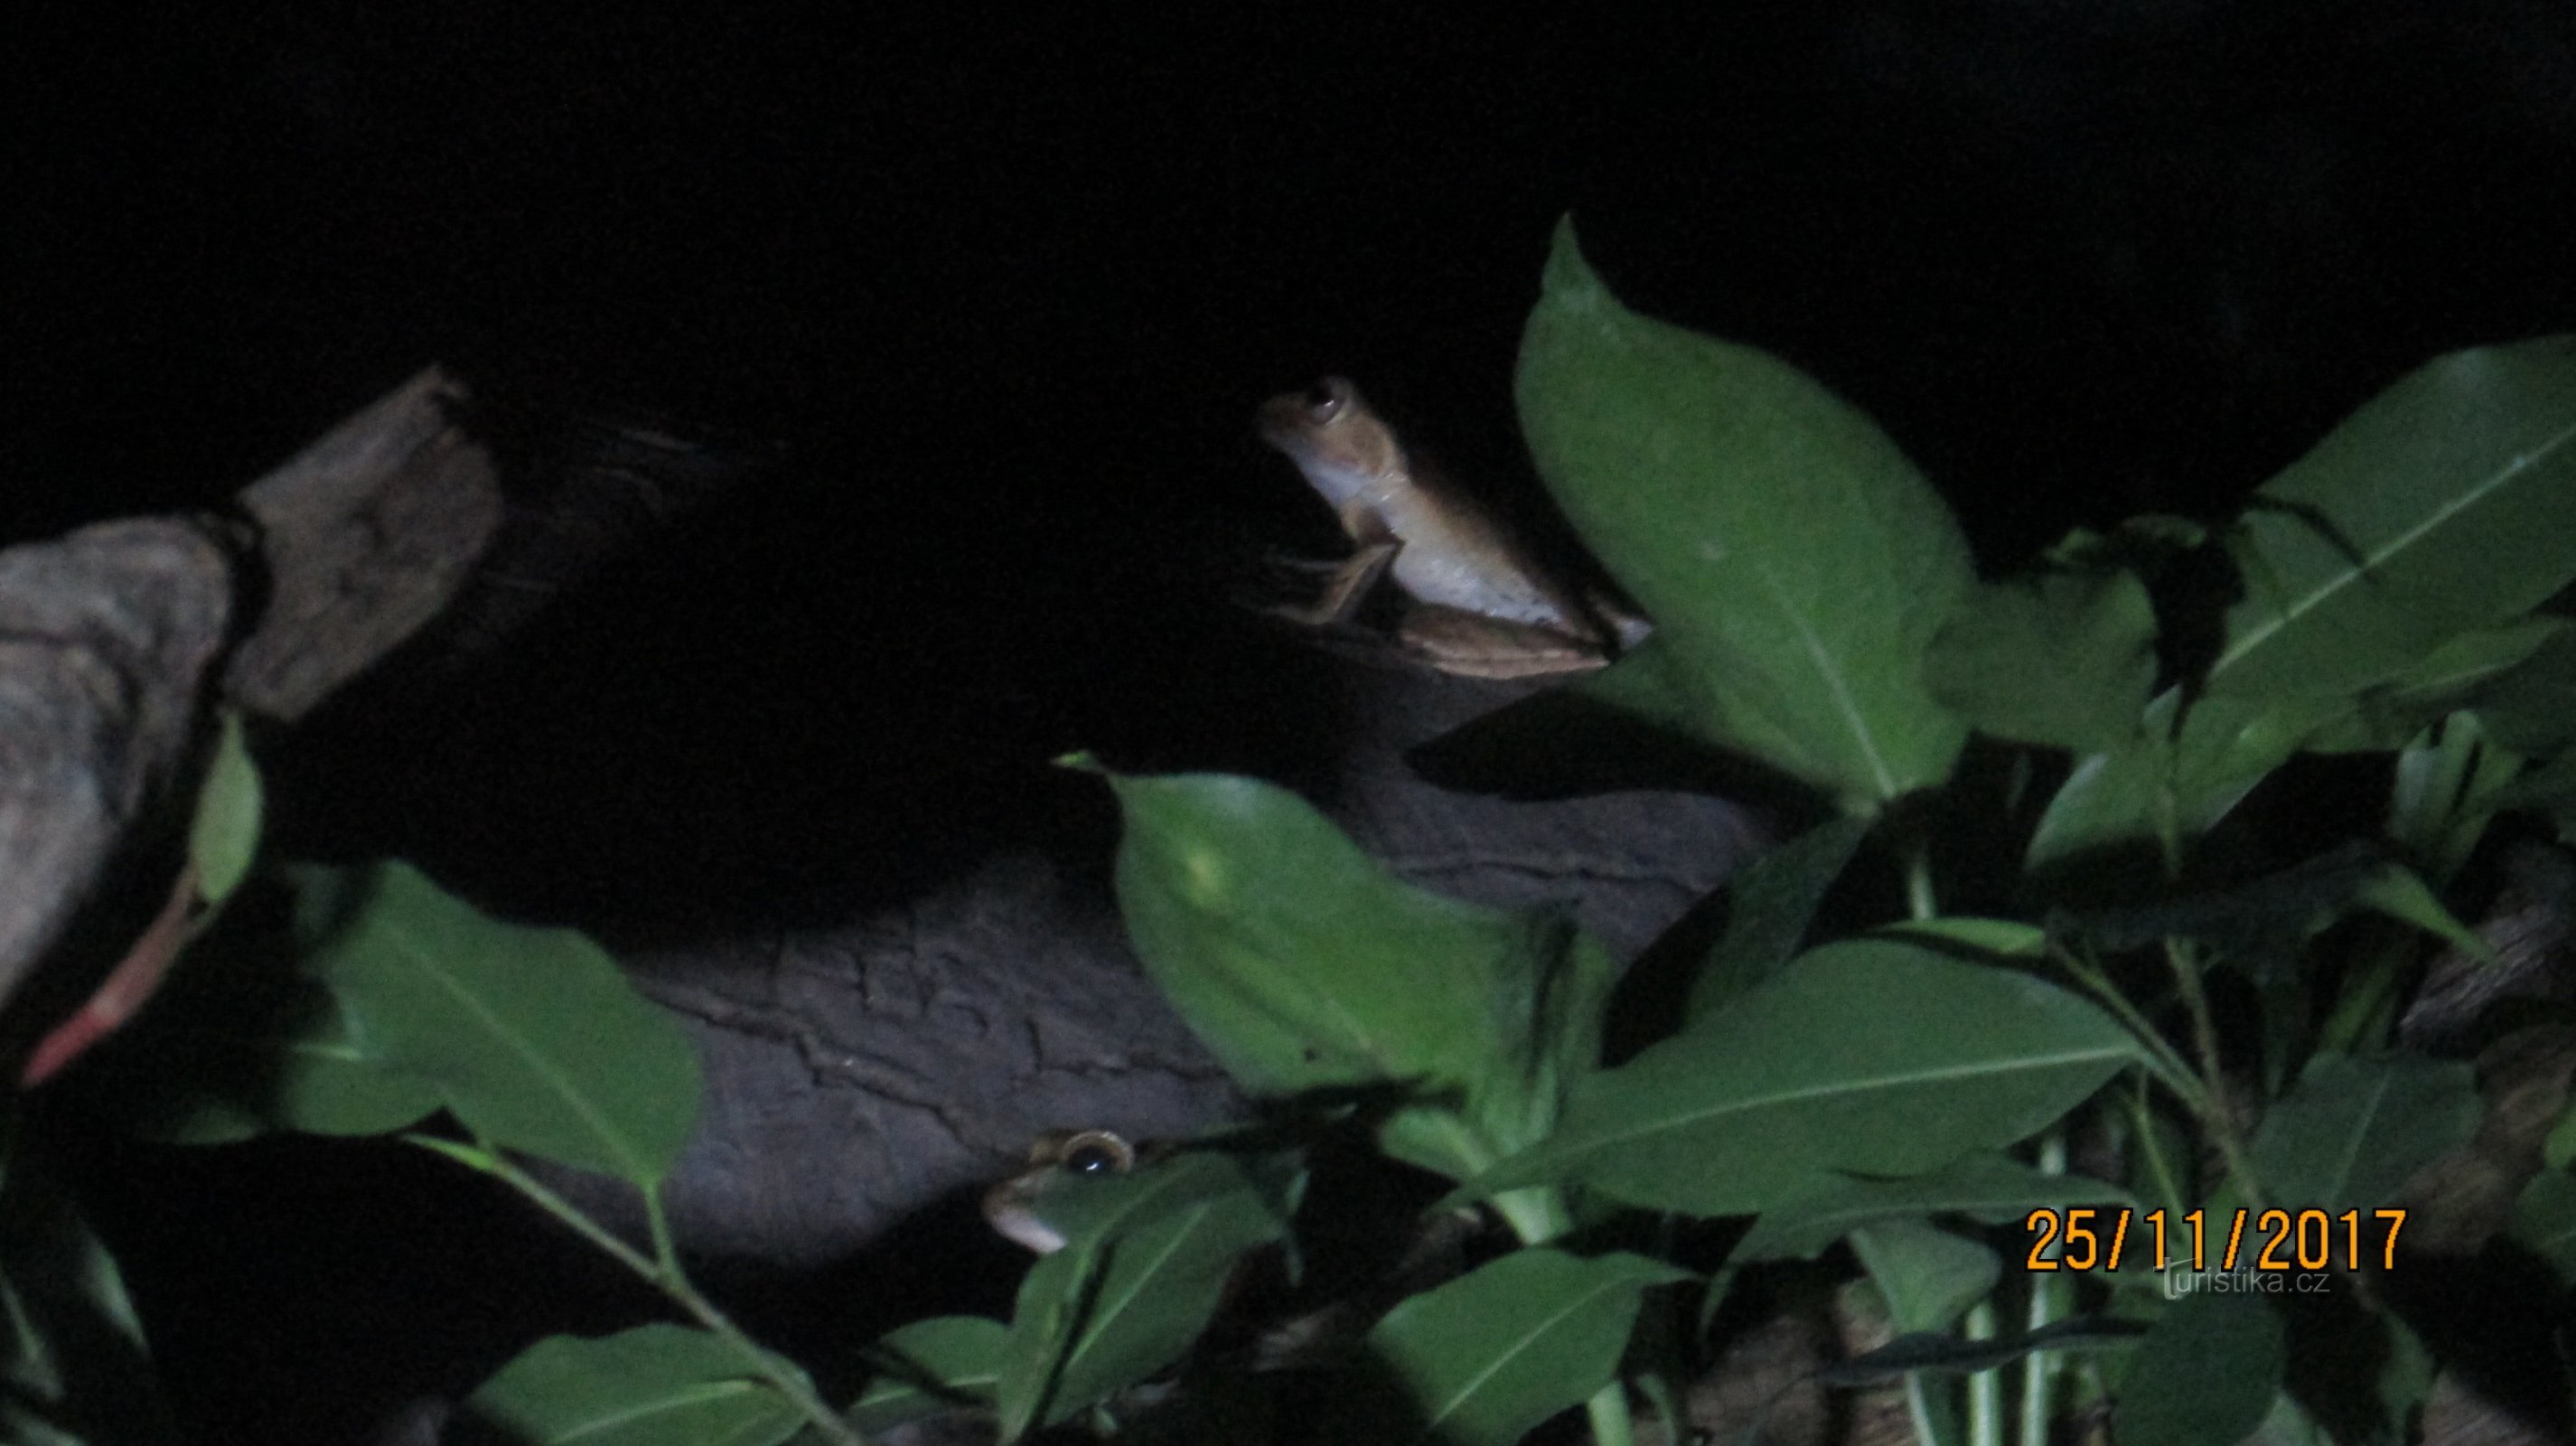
pixel 1538 1215
pixel 1985 1393
pixel 1920 899
pixel 2039 1368
pixel 2216 1111
pixel 2172 1068
pixel 663 1272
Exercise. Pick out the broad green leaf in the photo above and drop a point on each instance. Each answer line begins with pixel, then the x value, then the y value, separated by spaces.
pixel 2532 709
pixel 1990 1189
pixel 278 1057
pixel 2062 659
pixel 1868 1057
pixel 1305 965
pixel 1928 1276
pixel 930 1366
pixel 239 1044
pixel 1485 1358
pixel 2164 787
pixel 1770 903
pixel 655 1385
pixel 1144 1263
pixel 2204 1376
pixel 2424 514
pixel 2466 669
pixel 2353 1130
pixel 1795 563
pixel 2544 1221
pixel 74 1367
pixel 531 1036
pixel 224 835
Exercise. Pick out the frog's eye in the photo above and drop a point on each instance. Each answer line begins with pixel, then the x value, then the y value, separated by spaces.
pixel 1098 1152
pixel 1325 399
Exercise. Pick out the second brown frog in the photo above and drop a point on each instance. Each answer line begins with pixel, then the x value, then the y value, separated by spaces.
pixel 1480 603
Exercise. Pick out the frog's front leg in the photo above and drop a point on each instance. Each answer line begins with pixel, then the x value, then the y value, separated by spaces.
pixel 1355 576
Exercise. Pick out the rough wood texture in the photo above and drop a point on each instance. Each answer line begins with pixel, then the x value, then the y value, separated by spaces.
pixel 366 536
pixel 918 1050
pixel 106 637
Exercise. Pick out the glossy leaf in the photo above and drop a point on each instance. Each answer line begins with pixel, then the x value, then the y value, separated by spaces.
pixel 655 1385
pixel 931 1366
pixel 1795 563
pixel 224 835
pixel 2062 659
pixel 1990 1189
pixel 1145 1261
pixel 1485 1358
pixel 1867 1057
pixel 1928 1276
pixel 2205 1374
pixel 531 1036
pixel 1304 965
pixel 1770 903
pixel 2418 518
pixel 2353 1130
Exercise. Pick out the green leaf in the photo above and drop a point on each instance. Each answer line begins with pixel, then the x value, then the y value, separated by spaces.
pixel 1928 1276
pixel 2353 1130
pixel 2205 1375
pixel 930 1366
pixel 2061 659
pixel 2544 1221
pixel 1796 565
pixel 2532 709
pixel 1145 1261
pixel 1868 1056
pixel 655 1385
pixel 1990 1189
pixel 214 1067
pixel 224 835
pixel 2469 668
pixel 531 1036
pixel 1485 1358
pixel 1304 965
pixel 76 1370
pixel 2419 517
pixel 1770 903
pixel 2165 786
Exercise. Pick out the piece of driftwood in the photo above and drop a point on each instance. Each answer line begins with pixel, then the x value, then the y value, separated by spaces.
pixel 119 642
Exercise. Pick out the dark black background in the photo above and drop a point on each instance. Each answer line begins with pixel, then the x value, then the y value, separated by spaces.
pixel 1008 289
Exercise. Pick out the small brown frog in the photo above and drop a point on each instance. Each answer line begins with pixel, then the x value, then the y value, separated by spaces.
pixel 1482 604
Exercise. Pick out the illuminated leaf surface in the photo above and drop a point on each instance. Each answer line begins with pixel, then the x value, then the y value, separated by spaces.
pixel 1868 1057
pixel 1488 1356
pixel 532 1036
pixel 2419 517
pixel 1795 563
pixel 655 1385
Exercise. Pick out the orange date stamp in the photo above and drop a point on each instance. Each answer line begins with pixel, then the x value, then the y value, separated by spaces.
pixel 2084 1237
